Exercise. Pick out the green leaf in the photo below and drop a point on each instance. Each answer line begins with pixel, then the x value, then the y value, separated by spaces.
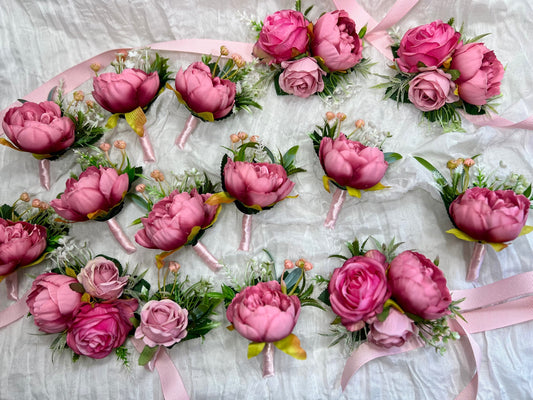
pixel 324 297
pixel 279 90
pixel 147 354
pixel 473 109
pixel 392 157
pixel 527 192
pixel 288 158
pixel 77 287
pixel 291 346
pixel 308 10
pixel 382 316
pixel 454 73
pixel 140 201
pixel 6 212
pixel 362 32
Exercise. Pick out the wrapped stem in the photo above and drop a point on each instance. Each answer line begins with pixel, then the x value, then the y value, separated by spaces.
pixel 44 173
pixel 12 286
pixel 207 257
pixel 268 360
pixel 190 126
pixel 475 261
pixel 121 237
pixel 148 150
pixel 246 232
pixel 335 208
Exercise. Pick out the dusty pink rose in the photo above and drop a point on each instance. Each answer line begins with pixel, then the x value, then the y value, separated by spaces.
pixel 124 92
pixel 430 45
pixel 203 93
pixel 260 184
pixel 21 243
pixel 336 41
pixel 98 329
pixel 262 313
pixel 39 128
pixel 490 215
pixel 394 331
pixel 430 90
pixel 302 77
pixel 358 290
pixel 52 302
pixel 351 163
pixel 283 36
pixel 481 73
pixel 419 286
pixel 163 323
pixel 96 189
pixel 100 278
pixel 172 219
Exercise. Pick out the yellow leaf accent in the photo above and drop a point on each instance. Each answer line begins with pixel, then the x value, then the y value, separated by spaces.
pixel 136 119
pixel 160 258
pixel 41 156
pixel 447 63
pixel 178 94
pixel 254 349
pixel 194 232
pixel 230 328
pixel 39 260
pixel 206 116
pixel 86 298
pixel 70 272
pixel 377 186
pixel 291 346
pixel 392 303
pixel 525 230
pixel 215 217
pixel 112 121
pixel 461 235
pixel 96 214
pixel 325 181
pixel 9 144
pixel 219 198
pixel 353 192
pixel 497 246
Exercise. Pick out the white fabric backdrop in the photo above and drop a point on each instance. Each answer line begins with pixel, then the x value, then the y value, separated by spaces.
pixel 43 38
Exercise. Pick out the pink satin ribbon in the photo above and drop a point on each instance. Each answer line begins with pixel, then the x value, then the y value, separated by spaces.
pixel 475 262
pixel 208 258
pixel 190 126
pixel 121 237
pixel 498 122
pixel 12 285
pixel 335 208
pixel 246 236
pixel 171 382
pixel 148 150
pixel 44 173
pixel 268 360
pixel 14 312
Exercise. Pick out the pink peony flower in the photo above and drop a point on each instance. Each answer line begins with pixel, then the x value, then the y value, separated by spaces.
pixel 98 329
pixel 336 41
pixel 262 313
pixel 21 244
pixel 100 278
pixel 173 218
pixel 124 92
pixel 394 331
pixel 259 184
pixel 419 286
pixel 351 163
pixel 358 290
pixel 427 45
pixel 96 189
pixel 52 302
pixel 39 128
pixel 430 90
pixel 302 77
pixel 481 73
pixel 490 215
pixel 378 256
pixel 203 93
pixel 163 323
pixel 284 36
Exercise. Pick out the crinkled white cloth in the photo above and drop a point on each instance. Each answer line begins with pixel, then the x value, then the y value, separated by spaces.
pixel 43 38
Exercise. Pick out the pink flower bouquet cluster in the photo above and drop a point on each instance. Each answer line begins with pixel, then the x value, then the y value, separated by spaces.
pixel 483 209
pixel 309 58
pixel 440 72
pixel 90 305
pixel 388 298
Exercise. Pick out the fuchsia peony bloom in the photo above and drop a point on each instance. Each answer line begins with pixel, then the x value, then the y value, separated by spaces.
pixel 491 215
pixel 262 313
pixel 100 278
pixel 284 36
pixel 163 323
pixel 52 302
pixel 203 93
pixel 481 73
pixel 256 184
pixel 173 218
pixel 336 41
pixel 98 329
pixel 351 163
pixel 124 92
pixel 39 128
pixel 358 290
pixel 96 190
pixel 431 45
pixel 302 77
pixel 21 243
pixel 430 90
pixel 394 331
pixel 419 286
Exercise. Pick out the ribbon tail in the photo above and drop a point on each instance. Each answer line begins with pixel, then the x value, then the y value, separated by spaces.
pixel 44 173
pixel 148 150
pixel 268 360
pixel 207 257
pixel 335 208
pixel 473 354
pixel 188 129
pixel 121 237
pixel 246 232
pixel 12 285
pixel 475 262
pixel 14 312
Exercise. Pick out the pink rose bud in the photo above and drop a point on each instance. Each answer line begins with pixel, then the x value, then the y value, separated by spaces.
pixel 224 51
pixel 105 147
pixel 254 138
pixel 394 331
pixel 25 197
pixel 96 67
pixel 238 60
pixel 36 203
pixel 341 116
pixel 163 323
pixel 308 266
pixel 359 123
pixel 431 45
pixel 78 95
pixel 302 77
pixel 330 115
pixel 490 215
pixel 262 313
pixel 96 189
pixel 120 144
pixel 288 264
pixel 39 128
pixel 44 205
pixel 100 278
pixel 469 163
pixel 234 138
pixel 174 267
pixel 242 135
pixel 350 163
pixel 430 90
pixel 141 187
pixel 52 302
pixel 90 103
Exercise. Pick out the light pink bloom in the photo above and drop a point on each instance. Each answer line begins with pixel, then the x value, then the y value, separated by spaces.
pixel 430 90
pixel 302 77
pixel 100 278
pixel 394 331
pixel 163 323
